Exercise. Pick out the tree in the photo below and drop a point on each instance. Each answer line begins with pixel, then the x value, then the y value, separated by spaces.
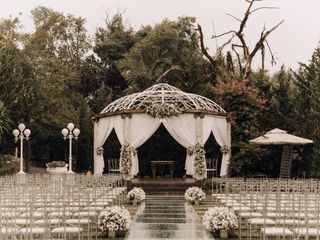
pixel 243 105
pixel 146 68
pixel 245 57
pixel 307 106
pixel 5 120
pixel 111 43
pixel 56 50
pixel 168 52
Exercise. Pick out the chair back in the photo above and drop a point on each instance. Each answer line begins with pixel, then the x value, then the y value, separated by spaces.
pixel 113 165
pixel 211 167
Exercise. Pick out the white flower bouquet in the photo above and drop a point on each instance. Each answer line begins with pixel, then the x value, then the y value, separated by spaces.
pixel 218 218
pixel 136 194
pixel 194 194
pixel 114 219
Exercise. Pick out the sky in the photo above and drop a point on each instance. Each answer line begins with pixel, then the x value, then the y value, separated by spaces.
pixel 294 41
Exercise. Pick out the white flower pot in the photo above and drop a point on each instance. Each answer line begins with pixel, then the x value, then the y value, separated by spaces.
pixel 196 202
pixel 58 170
pixel 111 234
pixel 223 233
pixel 134 202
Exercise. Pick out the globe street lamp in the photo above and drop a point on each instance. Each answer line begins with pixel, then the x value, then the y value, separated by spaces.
pixel 21 133
pixel 70 132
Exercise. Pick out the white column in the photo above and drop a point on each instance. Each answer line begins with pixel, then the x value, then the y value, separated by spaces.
pixel 199 138
pixel 199 129
pixel 125 134
pixel 95 145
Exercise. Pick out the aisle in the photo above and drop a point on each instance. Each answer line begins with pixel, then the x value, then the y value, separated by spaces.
pixel 166 217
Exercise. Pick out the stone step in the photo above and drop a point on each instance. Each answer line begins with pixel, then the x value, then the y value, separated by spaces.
pixel 166 226
pixel 182 234
pixel 151 207
pixel 161 197
pixel 165 193
pixel 162 215
pixel 162 204
pixel 164 211
pixel 164 220
pixel 170 201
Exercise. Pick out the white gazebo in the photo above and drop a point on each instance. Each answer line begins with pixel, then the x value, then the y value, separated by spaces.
pixel 189 119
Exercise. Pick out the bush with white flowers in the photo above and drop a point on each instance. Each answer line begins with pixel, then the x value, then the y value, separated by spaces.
pixel 217 218
pixel 114 218
pixel 193 194
pixel 136 194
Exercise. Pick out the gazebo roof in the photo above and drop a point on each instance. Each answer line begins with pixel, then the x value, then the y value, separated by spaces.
pixel 163 93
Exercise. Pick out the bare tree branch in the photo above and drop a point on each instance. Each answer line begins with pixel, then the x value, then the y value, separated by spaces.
pixel 263 38
pixel 203 49
pixel 257 47
pixel 220 35
pixel 219 50
pixel 262 56
pixel 259 8
pixel 238 57
pixel 273 61
pixel 238 19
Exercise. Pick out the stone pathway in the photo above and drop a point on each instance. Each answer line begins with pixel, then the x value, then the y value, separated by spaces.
pixel 166 217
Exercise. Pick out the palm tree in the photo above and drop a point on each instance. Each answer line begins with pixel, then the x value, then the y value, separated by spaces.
pixel 145 68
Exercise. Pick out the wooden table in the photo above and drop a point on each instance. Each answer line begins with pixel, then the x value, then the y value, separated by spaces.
pixel 161 164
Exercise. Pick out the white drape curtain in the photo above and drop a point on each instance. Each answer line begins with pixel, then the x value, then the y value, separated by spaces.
pixel 141 128
pixel 104 127
pixel 222 133
pixel 120 128
pixel 183 130
pixel 118 124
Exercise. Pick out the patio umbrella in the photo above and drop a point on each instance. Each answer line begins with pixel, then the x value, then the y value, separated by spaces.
pixel 281 137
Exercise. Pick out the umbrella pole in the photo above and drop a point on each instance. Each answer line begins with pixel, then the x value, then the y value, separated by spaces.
pixel 286 160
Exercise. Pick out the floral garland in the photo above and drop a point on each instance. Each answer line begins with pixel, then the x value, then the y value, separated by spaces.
pixel 219 218
pixel 126 158
pixel 136 194
pixel 114 219
pixel 193 194
pixel 190 150
pixel 163 110
pixel 224 149
pixel 199 159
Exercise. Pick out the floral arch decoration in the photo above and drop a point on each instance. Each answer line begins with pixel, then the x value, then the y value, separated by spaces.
pixel 189 119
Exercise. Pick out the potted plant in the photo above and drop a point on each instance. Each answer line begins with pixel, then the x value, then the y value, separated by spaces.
pixel 57 167
pixel 194 195
pixel 114 220
pixel 136 195
pixel 220 219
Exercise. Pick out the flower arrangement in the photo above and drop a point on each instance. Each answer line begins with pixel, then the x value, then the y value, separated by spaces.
pixel 114 219
pixel 194 194
pixel 55 164
pixel 218 218
pixel 136 194
pixel 199 159
pixel 224 149
pixel 163 110
pixel 126 158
